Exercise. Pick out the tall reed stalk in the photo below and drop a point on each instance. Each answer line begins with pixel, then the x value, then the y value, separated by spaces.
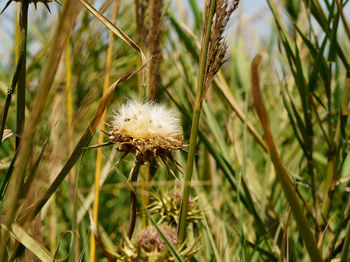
pixel 195 122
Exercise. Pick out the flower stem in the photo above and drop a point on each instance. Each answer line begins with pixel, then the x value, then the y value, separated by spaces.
pixel 133 178
pixel 22 73
pixel 195 123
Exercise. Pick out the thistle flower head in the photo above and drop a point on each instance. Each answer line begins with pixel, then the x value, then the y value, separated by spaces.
pixel 148 130
pixel 167 206
pixel 150 240
pixel 148 245
pixel 146 121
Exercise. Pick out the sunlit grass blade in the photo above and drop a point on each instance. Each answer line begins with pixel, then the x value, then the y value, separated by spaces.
pixel 223 87
pixel 340 7
pixel 195 122
pixel 211 239
pixel 192 45
pixel 345 250
pixel 320 16
pixel 110 255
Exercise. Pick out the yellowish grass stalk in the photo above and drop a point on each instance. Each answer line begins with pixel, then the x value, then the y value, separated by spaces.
pixel 101 134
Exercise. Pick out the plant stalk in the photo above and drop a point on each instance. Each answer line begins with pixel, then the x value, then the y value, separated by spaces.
pixel 20 115
pixel 134 173
pixel 21 88
pixel 15 75
pixel 195 123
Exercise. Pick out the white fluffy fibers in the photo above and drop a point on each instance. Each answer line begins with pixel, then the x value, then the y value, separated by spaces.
pixel 146 121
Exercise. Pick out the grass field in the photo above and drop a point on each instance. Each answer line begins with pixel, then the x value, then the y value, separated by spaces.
pixel 159 130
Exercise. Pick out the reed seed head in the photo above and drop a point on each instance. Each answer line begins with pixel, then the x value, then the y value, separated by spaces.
pixel 217 45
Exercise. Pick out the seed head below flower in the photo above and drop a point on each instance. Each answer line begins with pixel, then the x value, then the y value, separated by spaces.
pixel 150 240
pixel 149 245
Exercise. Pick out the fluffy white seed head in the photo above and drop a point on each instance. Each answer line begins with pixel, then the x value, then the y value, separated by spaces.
pixel 145 121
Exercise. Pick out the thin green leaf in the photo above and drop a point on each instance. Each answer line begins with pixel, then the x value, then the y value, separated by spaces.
pixel 29 242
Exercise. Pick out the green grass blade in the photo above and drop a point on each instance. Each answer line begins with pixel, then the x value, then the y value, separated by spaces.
pixel 195 122
pixel 320 16
pixel 9 95
pixel 29 242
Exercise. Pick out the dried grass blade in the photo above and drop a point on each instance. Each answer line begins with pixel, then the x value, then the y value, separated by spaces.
pixel 281 173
